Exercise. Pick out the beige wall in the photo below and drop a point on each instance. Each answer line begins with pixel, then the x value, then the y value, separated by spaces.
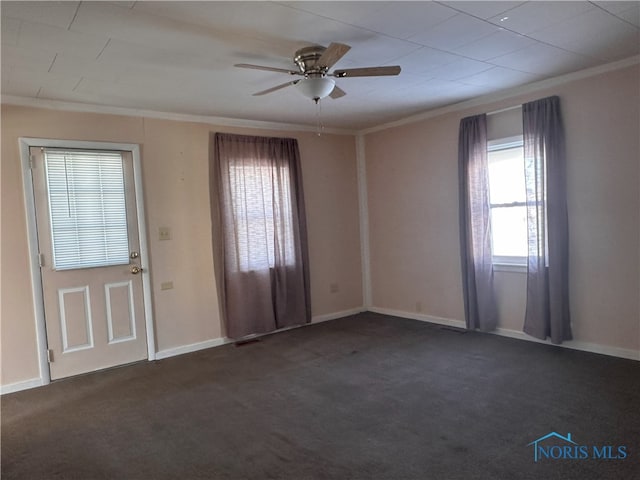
pixel 413 213
pixel 413 218
pixel 175 179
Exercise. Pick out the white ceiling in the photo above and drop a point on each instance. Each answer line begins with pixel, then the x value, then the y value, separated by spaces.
pixel 178 56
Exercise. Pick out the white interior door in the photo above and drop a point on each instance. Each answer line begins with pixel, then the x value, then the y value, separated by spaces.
pixel 90 263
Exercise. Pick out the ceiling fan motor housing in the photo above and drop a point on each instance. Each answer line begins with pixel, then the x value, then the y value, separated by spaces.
pixel 307 60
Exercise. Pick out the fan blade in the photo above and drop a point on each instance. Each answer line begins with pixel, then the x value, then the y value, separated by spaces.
pixel 337 92
pixel 268 69
pixel 273 89
pixel 333 53
pixel 367 72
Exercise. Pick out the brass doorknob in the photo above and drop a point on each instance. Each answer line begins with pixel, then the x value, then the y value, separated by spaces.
pixel 136 269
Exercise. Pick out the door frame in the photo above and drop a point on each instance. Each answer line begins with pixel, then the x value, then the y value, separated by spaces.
pixel 25 143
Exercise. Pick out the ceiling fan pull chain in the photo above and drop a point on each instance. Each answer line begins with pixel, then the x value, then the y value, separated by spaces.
pixel 319 126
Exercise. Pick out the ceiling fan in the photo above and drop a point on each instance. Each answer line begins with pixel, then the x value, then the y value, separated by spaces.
pixel 313 65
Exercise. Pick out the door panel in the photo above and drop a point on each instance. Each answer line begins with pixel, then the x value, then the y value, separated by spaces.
pixel 121 319
pixel 76 327
pixel 94 315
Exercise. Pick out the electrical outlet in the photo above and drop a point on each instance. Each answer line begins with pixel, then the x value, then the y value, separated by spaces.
pixel 166 285
pixel 418 307
pixel 164 233
pixel 334 288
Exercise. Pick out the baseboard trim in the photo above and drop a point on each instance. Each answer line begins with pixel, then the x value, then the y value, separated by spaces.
pixel 217 342
pixel 506 332
pixel 193 347
pixel 503 332
pixel 333 316
pixel 19 386
pixel 574 345
pixel 419 316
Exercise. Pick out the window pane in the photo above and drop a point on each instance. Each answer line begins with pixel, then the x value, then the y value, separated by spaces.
pixel 509 231
pixel 506 176
pixel 261 212
pixel 87 209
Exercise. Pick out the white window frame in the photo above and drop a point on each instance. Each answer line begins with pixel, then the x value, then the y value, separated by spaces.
pixel 503 262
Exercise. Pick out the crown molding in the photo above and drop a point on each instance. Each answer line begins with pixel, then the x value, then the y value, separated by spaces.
pixel 264 125
pixel 178 117
pixel 506 94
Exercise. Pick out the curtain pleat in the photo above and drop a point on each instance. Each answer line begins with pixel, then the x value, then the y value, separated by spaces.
pixel 547 307
pixel 259 233
pixel 475 225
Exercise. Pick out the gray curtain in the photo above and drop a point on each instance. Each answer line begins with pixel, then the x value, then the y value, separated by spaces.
pixel 547 311
pixel 259 233
pixel 475 225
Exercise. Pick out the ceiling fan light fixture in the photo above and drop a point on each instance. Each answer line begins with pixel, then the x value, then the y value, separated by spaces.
pixel 314 63
pixel 316 88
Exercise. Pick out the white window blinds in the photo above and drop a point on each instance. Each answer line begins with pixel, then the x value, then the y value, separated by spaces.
pixel 87 208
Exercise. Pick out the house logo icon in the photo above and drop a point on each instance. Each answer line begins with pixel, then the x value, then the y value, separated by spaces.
pixel 535 443
pixel 554 446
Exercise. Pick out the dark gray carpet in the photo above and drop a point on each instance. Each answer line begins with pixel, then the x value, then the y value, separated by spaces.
pixel 364 397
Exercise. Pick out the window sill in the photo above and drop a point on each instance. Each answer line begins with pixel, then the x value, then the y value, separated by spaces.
pixel 509 267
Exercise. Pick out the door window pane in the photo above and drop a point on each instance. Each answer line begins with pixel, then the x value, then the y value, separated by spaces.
pixel 87 208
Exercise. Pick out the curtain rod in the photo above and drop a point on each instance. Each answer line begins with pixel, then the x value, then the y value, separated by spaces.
pixel 504 110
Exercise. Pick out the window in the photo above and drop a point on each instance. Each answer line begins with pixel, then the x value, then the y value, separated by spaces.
pixel 87 208
pixel 260 241
pixel 261 203
pixel 507 197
